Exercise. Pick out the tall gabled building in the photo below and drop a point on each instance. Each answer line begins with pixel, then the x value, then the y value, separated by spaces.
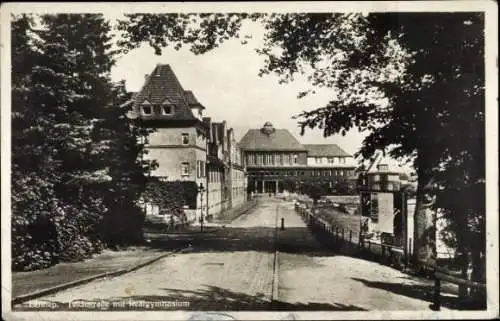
pixel 179 142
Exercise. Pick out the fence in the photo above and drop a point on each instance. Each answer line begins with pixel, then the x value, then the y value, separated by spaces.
pixel 351 241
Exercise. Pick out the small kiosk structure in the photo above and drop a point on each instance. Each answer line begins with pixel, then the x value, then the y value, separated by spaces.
pixel 384 207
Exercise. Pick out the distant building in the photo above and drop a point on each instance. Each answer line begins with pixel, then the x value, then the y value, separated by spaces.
pixel 277 162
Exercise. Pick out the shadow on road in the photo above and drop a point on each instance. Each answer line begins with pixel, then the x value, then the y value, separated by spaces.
pixel 261 239
pixel 417 291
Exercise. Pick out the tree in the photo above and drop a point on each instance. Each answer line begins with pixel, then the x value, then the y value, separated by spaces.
pixel 75 156
pixel 414 82
pixel 33 158
pixel 314 190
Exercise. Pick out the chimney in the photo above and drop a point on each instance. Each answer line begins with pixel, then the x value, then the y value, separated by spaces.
pixel 146 76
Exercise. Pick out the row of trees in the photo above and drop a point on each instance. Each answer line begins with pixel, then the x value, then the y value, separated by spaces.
pixel 413 81
pixel 77 169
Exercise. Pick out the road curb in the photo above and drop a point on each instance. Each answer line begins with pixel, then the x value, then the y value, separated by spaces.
pixel 274 291
pixel 33 295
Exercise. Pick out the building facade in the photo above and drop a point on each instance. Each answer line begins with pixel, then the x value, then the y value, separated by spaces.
pixel 276 162
pixel 178 139
pixel 186 145
pixel 225 174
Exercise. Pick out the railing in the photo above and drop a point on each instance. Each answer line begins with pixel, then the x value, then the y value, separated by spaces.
pixel 345 240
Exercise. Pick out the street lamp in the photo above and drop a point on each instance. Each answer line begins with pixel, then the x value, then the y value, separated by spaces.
pixel 201 189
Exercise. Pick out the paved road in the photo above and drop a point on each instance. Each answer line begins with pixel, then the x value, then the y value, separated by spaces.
pixel 312 277
pixel 232 269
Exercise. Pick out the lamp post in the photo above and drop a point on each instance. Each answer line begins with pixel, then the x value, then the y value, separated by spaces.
pixel 201 189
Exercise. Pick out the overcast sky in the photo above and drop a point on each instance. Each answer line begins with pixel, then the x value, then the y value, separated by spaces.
pixel 226 82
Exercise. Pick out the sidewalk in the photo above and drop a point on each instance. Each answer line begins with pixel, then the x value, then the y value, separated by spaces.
pixel 108 261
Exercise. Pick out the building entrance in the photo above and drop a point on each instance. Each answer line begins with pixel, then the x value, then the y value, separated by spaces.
pixel 268 186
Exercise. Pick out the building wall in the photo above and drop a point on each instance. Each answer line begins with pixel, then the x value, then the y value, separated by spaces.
pixel 166 146
pixel 238 190
pixel 214 190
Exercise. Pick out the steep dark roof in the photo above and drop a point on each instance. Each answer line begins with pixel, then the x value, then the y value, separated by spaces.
pixel 191 99
pixel 163 86
pixel 278 139
pixel 320 150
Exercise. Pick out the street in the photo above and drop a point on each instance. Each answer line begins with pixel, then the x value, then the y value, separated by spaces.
pixel 232 268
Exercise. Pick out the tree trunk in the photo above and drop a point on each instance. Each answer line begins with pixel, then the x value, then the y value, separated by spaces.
pixel 478 275
pixel 424 224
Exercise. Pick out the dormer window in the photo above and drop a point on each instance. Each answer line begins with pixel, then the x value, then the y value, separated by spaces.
pixel 147 109
pixel 167 109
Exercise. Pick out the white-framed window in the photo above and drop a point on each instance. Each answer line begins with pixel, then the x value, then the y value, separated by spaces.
pixel 198 169
pixel 203 168
pixel 185 169
pixel 318 160
pixel 167 109
pixel 331 160
pixel 342 160
pixel 185 138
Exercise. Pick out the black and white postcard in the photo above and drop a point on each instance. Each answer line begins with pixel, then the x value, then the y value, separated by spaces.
pixel 249 160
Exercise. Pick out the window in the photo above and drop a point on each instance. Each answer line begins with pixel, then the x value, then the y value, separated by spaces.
pixel 330 160
pixel 281 158
pixel 342 160
pixel 259 159
pixel 167 109
pixel 185 138
pixel 318 160
pixel 146 110
pixel 341 172
pixel 295 158
pixel 290 159
pixel 271 160
pixel 185 169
